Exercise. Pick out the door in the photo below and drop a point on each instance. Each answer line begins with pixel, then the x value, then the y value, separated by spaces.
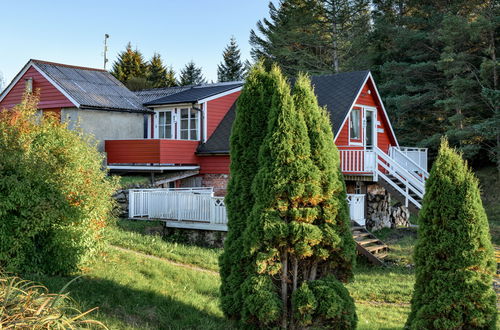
pixel 370 127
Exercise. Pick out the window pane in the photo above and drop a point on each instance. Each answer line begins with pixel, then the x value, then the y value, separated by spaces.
pixel 162 132
pixel 184 119
pixel 168 117
pixel 168 132
pixel 184 134
pixel 354 129
pixel 162 119
pixel 194 134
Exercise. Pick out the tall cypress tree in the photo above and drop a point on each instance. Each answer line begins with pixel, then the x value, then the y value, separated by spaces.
pixel 130 64
pixel 231 68
pixel 248 131
pixel 158 74
pixel 287 234
pixel 454 257
pixel 191 75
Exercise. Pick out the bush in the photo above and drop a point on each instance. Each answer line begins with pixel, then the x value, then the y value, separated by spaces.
pixel 26 305
pixel 454 257
pixel 55 199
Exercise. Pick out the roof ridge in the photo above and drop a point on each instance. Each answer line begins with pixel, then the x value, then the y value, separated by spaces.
pixel 67 65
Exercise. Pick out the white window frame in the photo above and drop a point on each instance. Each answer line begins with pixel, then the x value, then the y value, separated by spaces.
pixel 159 127
pixel 176 121
pixel 360 109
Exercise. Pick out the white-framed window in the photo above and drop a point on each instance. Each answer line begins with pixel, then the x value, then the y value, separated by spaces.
pixel 166 124
pixel 355 124
pixel 178 124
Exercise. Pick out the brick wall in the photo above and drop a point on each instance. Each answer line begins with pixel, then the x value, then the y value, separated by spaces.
pixel 217 181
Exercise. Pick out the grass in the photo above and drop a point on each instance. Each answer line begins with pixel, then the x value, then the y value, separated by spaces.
pixel 135 291
pixel 133 235
pixel 129 181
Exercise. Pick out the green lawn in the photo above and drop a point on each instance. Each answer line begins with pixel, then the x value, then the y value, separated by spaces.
pixel 134 291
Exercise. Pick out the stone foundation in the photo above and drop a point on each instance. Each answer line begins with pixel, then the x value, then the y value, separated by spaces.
pixel 121 198
pixel 381 213
pixel 217 181
pixel 208 238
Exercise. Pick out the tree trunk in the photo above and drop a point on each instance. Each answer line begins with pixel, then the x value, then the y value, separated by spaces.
pixel 335 54
pixel 284 288
pixel 314 270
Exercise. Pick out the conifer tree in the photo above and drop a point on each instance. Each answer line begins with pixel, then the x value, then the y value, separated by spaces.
pixel 288 235
pixel 248 131
pixel 191 75
pixel 158 74
pixel 454 257
pixel 130 63
pixel 231 68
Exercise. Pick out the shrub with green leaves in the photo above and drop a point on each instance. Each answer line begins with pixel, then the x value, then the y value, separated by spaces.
pixel 55 199
pixel 248 131
pixel 297 233
pixel 454 257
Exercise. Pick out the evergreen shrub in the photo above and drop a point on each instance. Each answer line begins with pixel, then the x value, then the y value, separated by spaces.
pixel 454 257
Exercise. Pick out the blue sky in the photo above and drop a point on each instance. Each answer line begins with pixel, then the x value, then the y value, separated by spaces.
pixel 72 32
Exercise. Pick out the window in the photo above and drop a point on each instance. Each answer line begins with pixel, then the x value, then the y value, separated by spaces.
pixel 189 124
pixel 165 124
pixel 178 124
pixel 29 85
pixel 354 123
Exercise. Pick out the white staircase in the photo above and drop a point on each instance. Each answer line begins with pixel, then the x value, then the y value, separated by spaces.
pixel 401 175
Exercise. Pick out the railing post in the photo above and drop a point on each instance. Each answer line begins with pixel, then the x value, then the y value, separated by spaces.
pixel 407 193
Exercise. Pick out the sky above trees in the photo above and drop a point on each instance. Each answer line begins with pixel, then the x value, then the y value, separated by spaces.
pixel 73 32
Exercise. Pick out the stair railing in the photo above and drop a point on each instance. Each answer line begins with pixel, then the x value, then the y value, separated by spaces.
pixel 415 169
pixel 391 167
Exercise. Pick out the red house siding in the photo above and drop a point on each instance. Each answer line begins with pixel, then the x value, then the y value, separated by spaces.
pixel 50 96
pixel 151 151
pixel 385 138
pixel 217 109
pixel 214 164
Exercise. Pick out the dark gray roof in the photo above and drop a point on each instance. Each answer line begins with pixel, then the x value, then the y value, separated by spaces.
pixel 91 88
pixel 196 93
pixel 336 91
pixel 148 95
pixel 219 140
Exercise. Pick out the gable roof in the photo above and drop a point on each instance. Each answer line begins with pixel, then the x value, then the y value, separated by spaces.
pixel 148 95
pixel 195 93
pixel 337 92
pixel 85 87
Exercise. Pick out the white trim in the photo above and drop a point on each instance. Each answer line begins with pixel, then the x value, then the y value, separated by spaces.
pixel 352 105
pixel 383 109
pixel 15 80
pixel 374 125
pixel 216 96
pixel 152 167
pixel 205 121
pixel 59 88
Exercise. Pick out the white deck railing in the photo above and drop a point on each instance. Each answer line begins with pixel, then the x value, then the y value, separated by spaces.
pixel 357 161
pixel 188 206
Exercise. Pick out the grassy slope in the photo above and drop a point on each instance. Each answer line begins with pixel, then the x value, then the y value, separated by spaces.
pixel 136 292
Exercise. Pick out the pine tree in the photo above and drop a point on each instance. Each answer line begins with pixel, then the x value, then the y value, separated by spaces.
pixel 248 131
pixel 130 63
pixel 454 257
pixel 292 230
pixel 191 75
pixel 158 74
pixel 231 68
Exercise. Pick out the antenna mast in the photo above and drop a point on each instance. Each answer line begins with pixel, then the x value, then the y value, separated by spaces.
pixel 106 36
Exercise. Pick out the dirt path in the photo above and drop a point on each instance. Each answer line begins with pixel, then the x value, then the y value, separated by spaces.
pixel 173 263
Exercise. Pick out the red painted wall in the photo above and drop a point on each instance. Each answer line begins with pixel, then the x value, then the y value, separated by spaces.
pixel 214 164
pixel 151 151
pixel 385 138
pixel 50 97
pixel 217 109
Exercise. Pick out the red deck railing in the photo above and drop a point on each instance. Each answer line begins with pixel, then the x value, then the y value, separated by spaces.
pixel 151 151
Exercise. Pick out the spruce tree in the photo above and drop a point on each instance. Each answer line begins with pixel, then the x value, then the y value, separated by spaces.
pixel 130 63
pixel 191 75
pixel 158 74
pixel 288 234
pixel 231 68
pixel 454 257
pixel 248 131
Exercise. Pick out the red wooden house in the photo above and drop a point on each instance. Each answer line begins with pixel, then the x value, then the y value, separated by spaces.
pixel 184 131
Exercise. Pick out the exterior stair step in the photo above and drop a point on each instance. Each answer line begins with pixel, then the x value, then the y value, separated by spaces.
pixel 374 253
